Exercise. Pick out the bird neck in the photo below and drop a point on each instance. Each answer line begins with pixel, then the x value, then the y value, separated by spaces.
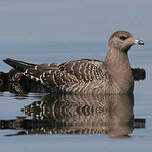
pixel 118 66
pixel 117 58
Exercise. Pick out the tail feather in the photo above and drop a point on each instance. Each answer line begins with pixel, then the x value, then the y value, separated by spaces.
pixel 18 65
pixel 42 73
pixel 33 71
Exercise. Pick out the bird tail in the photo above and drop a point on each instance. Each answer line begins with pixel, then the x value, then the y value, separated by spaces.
pixel 19 65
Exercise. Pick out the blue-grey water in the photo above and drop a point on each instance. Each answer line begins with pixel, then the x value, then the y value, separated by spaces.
pixel 11 103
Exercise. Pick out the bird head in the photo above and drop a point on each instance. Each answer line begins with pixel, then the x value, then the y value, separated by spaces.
pixel 123 40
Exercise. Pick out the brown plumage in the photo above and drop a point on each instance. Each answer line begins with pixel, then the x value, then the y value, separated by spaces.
pixel 113 76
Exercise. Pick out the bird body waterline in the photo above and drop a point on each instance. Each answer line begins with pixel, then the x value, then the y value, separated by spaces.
pixel 85 76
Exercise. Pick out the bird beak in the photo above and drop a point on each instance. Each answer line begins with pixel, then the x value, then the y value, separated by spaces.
pixel 140 42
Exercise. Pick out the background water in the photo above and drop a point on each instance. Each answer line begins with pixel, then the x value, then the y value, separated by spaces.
pixel 10 104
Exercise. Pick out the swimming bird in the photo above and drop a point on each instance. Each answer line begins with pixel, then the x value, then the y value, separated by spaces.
pixel 85 76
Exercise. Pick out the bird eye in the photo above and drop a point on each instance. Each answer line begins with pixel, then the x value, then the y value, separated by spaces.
pixel 123 38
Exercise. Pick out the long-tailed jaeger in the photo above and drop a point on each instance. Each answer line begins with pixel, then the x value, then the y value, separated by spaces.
pixel 85 76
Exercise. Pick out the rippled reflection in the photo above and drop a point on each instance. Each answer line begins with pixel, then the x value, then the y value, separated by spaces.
pixel 74 114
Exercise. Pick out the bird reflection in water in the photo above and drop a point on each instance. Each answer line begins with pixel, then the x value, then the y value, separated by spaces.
pixel 78 114
pixel 71 114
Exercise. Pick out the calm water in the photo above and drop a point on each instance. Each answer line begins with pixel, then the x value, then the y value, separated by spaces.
pixel 73 123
